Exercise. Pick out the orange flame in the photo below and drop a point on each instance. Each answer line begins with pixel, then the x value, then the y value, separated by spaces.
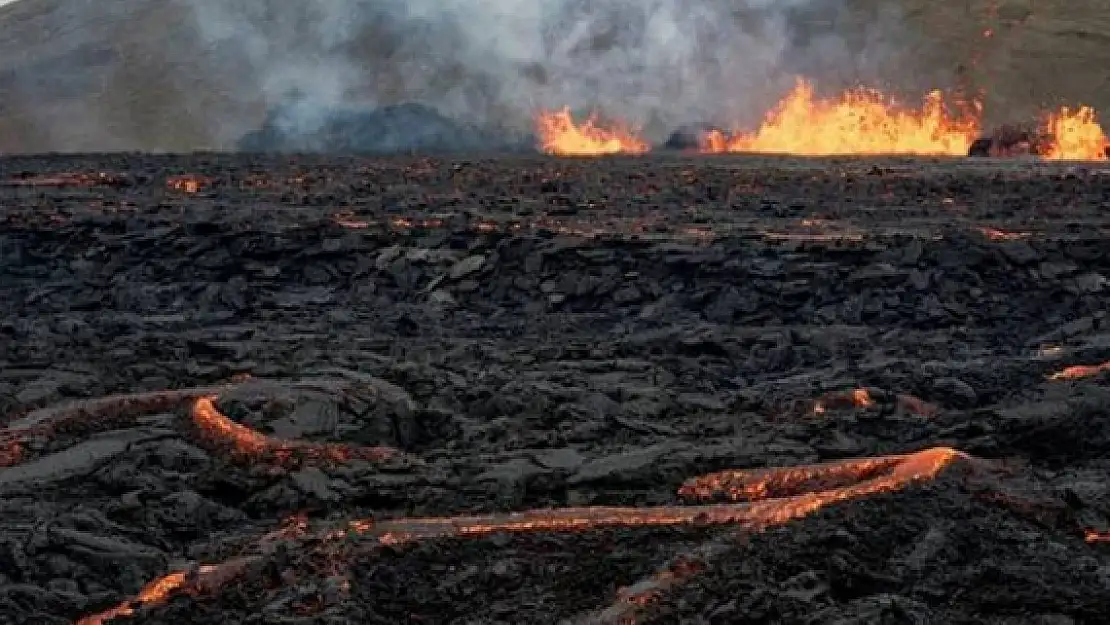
pixel 560 135
pixel 1095 536
pixel 1076 135
pixel 860 121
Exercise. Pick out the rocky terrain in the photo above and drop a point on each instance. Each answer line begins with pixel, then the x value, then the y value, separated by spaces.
pixel 333 390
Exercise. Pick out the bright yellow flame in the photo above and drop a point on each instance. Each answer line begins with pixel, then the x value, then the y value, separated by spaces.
pixel 1076 135
pixel 861 121
pixel 559 134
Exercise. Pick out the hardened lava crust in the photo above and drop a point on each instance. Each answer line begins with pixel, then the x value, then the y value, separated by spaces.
pixel 310 390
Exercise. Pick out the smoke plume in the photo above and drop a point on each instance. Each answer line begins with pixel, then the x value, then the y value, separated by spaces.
pixel 654 63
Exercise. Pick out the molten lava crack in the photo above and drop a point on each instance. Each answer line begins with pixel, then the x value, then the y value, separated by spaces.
pixel 863 398
pixel 1078 372
pixel 242 442
pixel 759 498
pixel 777 496
pixel 89 416
pixel 211 428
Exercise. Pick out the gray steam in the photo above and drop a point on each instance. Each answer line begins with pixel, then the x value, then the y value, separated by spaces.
pixel 654 63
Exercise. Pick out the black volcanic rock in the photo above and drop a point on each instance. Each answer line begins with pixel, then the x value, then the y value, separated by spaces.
pixel 1011 140
pixel 981 147
pixel 407 128
pixel 689 136
pixel 547 333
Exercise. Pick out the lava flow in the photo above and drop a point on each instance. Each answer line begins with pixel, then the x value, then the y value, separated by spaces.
pixel 771 497
pixel 856 398
pixel 243 442
pixel 861 121
pixel 1078 372
pixel 560 135
pixel 210 427
pixel 862 398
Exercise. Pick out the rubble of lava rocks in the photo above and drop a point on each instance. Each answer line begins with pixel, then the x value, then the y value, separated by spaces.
pixel 299 390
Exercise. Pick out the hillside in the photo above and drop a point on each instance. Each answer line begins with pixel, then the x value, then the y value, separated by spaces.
pixel 79 75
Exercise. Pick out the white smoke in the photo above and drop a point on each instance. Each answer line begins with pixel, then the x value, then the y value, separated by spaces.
pixel 653 63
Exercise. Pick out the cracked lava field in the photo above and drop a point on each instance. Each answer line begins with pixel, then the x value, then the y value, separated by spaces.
pixel 311 390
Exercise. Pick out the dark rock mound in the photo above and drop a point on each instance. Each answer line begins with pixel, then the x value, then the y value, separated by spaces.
pixel 981 147
pixel 689 136
pixel 398 129
pixel 1011 140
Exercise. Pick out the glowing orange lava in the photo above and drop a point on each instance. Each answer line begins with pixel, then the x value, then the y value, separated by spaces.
pixel 862 398
pixel 860 121
pixel 560 135
pixel 244 442
pixel 994 234
pixel 1076 135
pixel 187 183
pixel 102 413
pixel 212 428
pixel 770 497
pixel 855 398
pixel 1077 372
pixel 154 592
pixel 207 577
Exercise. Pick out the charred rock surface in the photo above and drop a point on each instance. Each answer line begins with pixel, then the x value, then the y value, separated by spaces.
pixel 1014 140
pixel 689 137
pixel 314 390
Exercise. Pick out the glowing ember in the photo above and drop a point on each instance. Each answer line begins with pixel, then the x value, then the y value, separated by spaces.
pixel 11 452
pixel 188 183
pixel 1094 536
pixel 560 135
pixel 1076 135
pixel 855 398
pixel 860 121
pixel 1076 372
pixel 994 234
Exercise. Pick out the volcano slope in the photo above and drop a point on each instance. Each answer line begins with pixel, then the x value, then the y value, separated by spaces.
pixel 300 390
